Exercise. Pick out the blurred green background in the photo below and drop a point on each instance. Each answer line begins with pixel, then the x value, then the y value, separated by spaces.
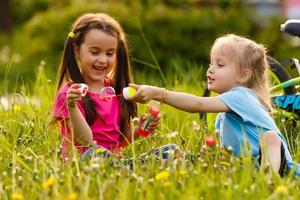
pixel 175 35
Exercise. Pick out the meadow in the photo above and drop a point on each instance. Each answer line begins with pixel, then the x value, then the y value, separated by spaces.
pixel 31 166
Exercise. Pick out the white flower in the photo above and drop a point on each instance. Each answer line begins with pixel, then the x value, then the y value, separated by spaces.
pixel 172 134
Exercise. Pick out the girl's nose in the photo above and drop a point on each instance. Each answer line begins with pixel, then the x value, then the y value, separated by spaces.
pixel 101 58
pixel 210 69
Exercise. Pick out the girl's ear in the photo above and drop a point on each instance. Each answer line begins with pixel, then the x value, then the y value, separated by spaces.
pixel 245 76
pixel 76 51
pixel 76 55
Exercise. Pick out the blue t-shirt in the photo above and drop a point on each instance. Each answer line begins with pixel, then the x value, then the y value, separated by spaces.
pixel 244 123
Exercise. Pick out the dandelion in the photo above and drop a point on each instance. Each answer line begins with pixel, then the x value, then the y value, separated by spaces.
pixel 196 126
pixel 17 108
pixel 281 189
pixel 48 183
pixel 16 57
pixel 4 103
pixel 16 196
pixel 166 184
pixel 95 166
pixel 150 180
pixel 4 174
pixel 135 120
pixel 224 163
pixel 162 175
pixel 71 196
pixel 172 134
pixel 100 150
pixel 182 172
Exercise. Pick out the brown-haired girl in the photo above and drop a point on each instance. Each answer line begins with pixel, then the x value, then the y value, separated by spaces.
pixel 96 54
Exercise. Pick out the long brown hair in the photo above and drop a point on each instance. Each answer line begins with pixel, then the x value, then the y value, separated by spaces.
pixel 252 56
pixel 121 74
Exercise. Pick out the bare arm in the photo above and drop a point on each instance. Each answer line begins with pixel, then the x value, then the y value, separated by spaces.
pixel 183 101
pixel 77 123
pixel 80 128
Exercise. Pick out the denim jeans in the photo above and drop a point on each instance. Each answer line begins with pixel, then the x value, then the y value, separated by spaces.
pixel 164 152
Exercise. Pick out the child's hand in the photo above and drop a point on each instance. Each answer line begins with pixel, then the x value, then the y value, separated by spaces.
pixel 73 95
pixel 152 126
pixel 144 93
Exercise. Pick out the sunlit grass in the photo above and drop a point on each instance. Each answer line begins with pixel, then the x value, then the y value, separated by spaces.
pixel 31 166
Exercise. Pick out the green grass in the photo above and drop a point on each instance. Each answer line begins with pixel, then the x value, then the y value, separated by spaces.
pixel 31 167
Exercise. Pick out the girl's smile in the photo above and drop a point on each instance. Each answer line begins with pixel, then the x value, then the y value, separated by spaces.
pixel 210 80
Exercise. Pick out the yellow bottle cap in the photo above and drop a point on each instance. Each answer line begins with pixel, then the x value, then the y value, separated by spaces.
pixel 128 92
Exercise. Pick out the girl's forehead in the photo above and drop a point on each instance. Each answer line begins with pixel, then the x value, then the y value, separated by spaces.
pixel 97 37
pixel 223 49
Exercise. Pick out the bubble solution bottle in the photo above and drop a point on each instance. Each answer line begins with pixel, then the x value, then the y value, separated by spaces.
pixel 153 112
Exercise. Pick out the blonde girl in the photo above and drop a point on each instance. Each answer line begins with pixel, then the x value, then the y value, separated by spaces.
pixel 238 73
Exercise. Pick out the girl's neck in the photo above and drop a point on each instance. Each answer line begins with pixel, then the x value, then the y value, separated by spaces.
pixel 95 87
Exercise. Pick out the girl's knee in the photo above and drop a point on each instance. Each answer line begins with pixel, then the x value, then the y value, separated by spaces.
pixel 270 138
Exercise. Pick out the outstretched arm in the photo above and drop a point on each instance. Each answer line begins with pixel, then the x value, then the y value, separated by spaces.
pixel 183 101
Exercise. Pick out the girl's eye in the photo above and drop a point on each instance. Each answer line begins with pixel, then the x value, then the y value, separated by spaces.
pixel 110 53
pixel 94 52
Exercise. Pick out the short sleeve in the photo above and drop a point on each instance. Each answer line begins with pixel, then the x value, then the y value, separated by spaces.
pixel 241 101
pixel 60 110
pixel 60 107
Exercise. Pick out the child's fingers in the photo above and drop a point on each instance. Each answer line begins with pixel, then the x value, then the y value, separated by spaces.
pixel 137 96
pixel 153 125
pixel 74 90
pixel 73 98
pixel 73 94
pixel 158 117
pixel 135 86
pixel 142 119
pixel 75 86
pixel 72 101
pixel 151 128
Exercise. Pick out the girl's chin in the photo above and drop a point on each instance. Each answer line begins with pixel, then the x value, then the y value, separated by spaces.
pixel 212 89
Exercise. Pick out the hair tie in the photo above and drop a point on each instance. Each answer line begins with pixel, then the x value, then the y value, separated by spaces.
pixel 71 34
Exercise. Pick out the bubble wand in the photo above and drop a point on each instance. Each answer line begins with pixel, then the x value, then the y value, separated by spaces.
pixel 106 93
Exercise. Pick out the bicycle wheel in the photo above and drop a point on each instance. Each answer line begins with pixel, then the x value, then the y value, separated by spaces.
pixel 277 75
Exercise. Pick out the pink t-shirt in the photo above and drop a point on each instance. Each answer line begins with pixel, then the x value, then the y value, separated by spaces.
pixel 106 131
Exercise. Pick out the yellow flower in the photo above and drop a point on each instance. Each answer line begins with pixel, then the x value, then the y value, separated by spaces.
pixel 100 150
pixel 182 172
pixel 225 163
pixel 166 184
pixel 16 196
pixel 48 183
pixel 71 196
pixel 17 108
pixel 162 175
pixel 281 189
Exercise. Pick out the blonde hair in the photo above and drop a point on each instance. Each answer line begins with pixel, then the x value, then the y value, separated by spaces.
pixel 251 56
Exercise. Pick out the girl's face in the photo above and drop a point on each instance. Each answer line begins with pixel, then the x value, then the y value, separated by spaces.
pixel 222 74
pixel 97 56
